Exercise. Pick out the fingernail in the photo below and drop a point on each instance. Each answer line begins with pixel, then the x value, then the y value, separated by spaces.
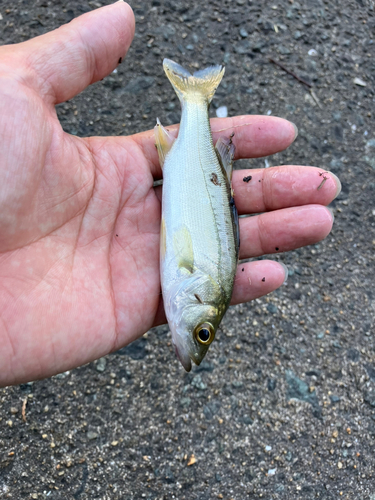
pixel 295 131
pixel 286 272
pixel 338 184
pixel 333 215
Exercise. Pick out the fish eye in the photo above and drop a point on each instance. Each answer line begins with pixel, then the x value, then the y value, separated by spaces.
pixel 205 333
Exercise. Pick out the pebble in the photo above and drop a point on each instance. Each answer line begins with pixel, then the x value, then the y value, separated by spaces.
pixel 222 112
pixel 198 383
pixel 185 402
pixel 247 420
pixel 283 50
pixel 272 472
pixel 272 308
pixel 243 33
pixel 92 435
pixel 312 52
pixel 359 82
pixel 298 389
pixel 101 364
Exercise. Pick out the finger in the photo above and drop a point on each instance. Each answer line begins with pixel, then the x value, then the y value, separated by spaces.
pixel 255 279
pixel 266 189
pixel 62 63
pixel 283 230
pixel 254 136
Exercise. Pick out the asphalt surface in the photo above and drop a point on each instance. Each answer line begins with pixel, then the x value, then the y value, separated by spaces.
pixel 284 405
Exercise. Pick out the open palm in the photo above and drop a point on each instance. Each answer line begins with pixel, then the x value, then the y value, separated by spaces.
pixel 79 218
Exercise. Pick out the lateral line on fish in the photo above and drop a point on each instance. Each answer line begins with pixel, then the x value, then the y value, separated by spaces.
pixel 206 181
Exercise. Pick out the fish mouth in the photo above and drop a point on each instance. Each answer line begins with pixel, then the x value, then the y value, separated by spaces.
pixel 183 357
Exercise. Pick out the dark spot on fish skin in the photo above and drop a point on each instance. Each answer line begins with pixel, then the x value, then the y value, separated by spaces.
pixel 214 179
pixel 260 180
pixel 120 60
pixel 247 178
pixel 263 279
pixel 243 269
pixel 116 234
pixel 198 298
pixel 277 249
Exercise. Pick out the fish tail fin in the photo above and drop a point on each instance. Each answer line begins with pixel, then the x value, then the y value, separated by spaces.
pixel 204 81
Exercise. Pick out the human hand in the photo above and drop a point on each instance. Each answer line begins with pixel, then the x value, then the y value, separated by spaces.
pixel 79 218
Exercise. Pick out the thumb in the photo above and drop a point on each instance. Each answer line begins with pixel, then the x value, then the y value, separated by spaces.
pixel 62 63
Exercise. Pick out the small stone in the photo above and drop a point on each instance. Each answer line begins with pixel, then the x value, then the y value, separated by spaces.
pixel 101 364
pixel 283 50
pixel 297 35
pixel 247 420
pixel 268 448
pixel 191 460
pixel 198 383
pixel 13 410
pixel 340 465
pixel 312 52
pixel 211 409
pixel 34 495
pixel 222 112
pixel 271 384
pixel 359 82
pixel 334 399
pixel 243 33
pixel 298 389
pixel 92 435
pixel 10 423
pixel 272 472
pixel 272 308
pixel 114 443
pixel 185 402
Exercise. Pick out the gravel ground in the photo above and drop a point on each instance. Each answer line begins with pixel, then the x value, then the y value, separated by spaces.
pixel 284 404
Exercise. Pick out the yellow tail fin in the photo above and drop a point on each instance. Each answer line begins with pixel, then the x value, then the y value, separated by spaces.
pixel 204 81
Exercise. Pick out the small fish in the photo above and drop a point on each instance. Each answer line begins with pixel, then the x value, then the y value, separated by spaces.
pixel 199 237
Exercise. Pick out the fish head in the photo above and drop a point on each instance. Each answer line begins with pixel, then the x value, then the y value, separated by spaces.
pixel 194 312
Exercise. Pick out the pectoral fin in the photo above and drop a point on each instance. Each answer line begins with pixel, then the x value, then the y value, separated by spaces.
pixel 225 150
pixel 183 249
pixel 163 141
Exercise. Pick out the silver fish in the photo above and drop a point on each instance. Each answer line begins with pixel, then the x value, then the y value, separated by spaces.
pixel 199 239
